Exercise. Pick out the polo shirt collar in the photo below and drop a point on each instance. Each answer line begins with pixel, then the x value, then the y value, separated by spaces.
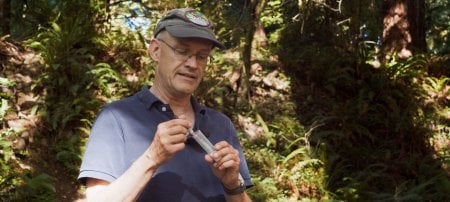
pixel 198 108
pixel 149 99
pixel 146 97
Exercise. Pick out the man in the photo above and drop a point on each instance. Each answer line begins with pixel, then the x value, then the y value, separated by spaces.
pixel 140 148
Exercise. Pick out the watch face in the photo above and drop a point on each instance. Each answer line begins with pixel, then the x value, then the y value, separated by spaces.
pixel 241 181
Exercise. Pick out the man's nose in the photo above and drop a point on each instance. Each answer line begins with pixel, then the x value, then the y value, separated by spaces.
pixel 192 61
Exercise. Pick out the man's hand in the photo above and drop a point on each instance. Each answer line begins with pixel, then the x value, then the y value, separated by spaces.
pixel 225 163
pixel 170 138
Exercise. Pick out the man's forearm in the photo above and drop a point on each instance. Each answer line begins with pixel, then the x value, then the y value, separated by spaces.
pixel 128 186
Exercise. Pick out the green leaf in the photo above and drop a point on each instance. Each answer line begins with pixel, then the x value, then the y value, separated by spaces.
pixel 300 151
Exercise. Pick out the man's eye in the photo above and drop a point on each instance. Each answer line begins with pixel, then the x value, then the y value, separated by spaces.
pixel 182 51
pixel 202 56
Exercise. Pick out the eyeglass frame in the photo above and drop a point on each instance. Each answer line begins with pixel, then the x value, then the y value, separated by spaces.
pixel 177 51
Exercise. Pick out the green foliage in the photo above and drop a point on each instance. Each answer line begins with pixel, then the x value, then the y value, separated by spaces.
pixel 282 155
pixel 82 70
pixel 231 20
pixel 66 48
pixel 68 153
pixel 215 91
pixel 381 111
pixel 26 15
pixel 265 190
pixel 18 184
pixel 438 21
pixel 5 82
pixel 36 188
pixel 8 176
pixel 125 54
pixel 6 146
pixel 364 120
pixel 7 173
pixel 272 20
pixel 343 130
pixel 4 97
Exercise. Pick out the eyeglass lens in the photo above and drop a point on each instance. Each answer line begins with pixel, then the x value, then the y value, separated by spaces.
pixel 184 55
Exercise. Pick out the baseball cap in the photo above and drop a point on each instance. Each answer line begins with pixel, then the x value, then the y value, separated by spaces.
pixel 188 23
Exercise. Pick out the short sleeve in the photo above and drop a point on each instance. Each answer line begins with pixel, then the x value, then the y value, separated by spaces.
pixel 104 155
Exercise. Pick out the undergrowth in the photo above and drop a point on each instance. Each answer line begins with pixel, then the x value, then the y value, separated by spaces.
pixel 339 128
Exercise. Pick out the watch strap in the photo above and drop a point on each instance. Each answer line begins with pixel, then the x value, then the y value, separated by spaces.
pixel 237 190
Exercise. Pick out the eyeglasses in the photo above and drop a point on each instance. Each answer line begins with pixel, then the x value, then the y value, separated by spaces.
pixel 185 54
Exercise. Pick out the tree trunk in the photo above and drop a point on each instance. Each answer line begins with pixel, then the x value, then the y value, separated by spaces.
pixel 403 28
pixel 417 25
pixel 254 8
pixel 6 16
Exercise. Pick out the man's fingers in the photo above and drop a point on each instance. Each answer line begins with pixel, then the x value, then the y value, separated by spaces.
pixel 175 130
pixel 222 144
pixel 178 146
pixel 172 144
pixel 228 164
pixel 178 138
pixel 222 149
pixel 209 159
pixel 173 127
pixel 225 156
pixel 169 139
pixel 229 159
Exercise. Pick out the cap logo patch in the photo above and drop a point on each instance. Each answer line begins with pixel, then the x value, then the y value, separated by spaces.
pixel 197 18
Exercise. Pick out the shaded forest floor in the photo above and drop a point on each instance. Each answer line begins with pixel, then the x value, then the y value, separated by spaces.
pixel 34 154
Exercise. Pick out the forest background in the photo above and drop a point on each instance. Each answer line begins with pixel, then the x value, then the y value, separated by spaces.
pixel 333 100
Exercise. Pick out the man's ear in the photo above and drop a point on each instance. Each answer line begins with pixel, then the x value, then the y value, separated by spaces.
pixel 154 50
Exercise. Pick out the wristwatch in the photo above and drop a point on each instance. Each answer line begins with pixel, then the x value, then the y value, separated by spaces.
pixel 237 190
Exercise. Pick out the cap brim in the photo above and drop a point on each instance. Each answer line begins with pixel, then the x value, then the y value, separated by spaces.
pixel 189 31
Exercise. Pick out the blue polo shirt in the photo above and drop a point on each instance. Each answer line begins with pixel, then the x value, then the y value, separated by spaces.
pixel 124 129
